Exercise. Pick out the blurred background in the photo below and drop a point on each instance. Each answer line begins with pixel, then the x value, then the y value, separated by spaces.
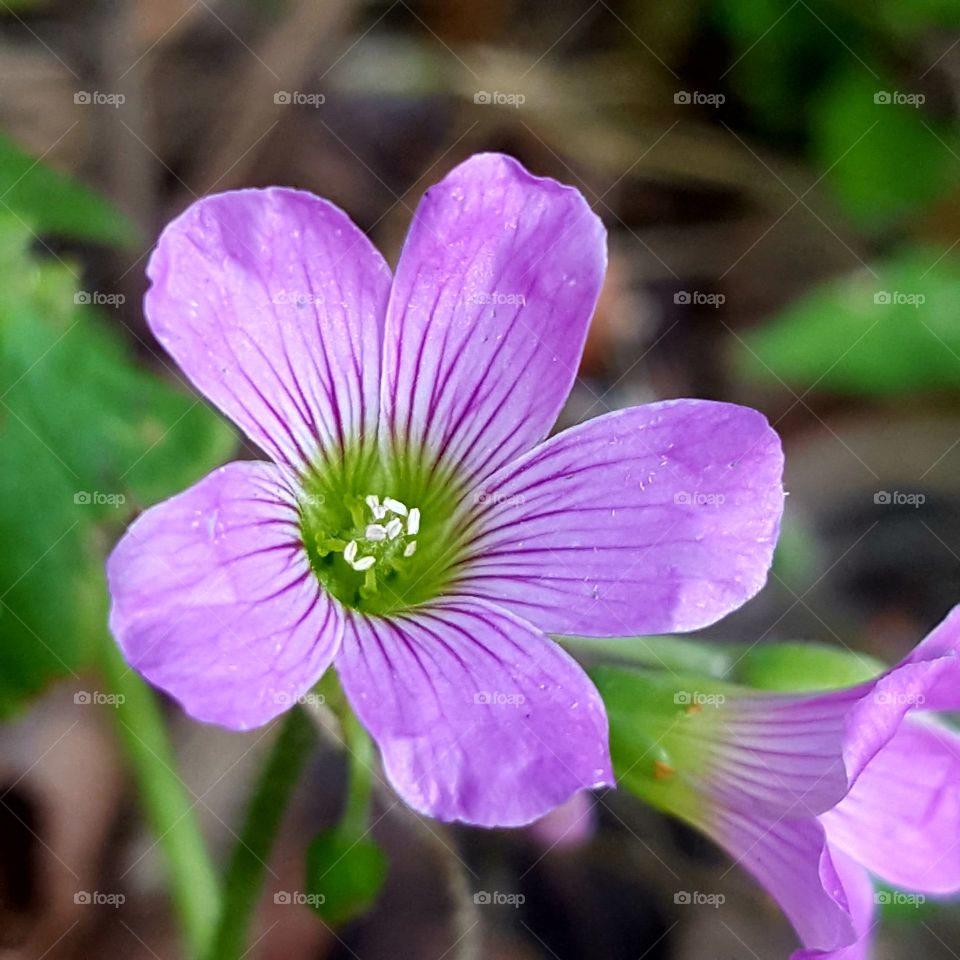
pixel 780 184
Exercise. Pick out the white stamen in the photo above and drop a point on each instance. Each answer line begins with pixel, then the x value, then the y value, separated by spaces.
pixel 364 563
pixel 395 505
pixel 413 522
pixel 375 531
pixel 350 552
pixel 372 501
pixel 394 528
pixel 410 549
pixel 379 512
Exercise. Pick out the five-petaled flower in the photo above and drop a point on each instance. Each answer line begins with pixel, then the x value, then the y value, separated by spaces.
pixel 816 793
pixel 413 530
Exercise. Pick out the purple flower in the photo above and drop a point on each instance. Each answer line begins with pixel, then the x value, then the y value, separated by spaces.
pixel 814 794
pixel 413 529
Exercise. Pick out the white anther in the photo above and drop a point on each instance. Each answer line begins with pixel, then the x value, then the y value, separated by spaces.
pixel 375 531
pixel 364 563
pixel 394 528
pixel 379 512
pixel 413 522
pixel 410 549
pixel 395 505
pixel 372 501
pixel 350 552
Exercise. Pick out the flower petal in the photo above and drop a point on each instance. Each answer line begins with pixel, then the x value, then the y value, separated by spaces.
pixel 488 314
pixel 902 817
pixel 796 755
pixel 478 716
pixel 272 303
pixel 859 895
pixel 791 860
pixel 214 600
pixel 657 518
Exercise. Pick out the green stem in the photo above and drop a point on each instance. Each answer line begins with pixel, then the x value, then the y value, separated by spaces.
pixel 674 654
pixel 244 877
pixel 168 806
pixel 356 808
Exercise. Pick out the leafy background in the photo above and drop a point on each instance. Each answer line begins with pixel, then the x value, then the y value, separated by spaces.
pixel 789 238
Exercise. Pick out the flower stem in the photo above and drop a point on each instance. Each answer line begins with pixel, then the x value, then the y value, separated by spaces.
pixel 244 878
pixel 359 749
pixel 167 804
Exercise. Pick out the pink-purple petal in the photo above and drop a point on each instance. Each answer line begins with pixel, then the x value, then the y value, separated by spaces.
pixel 858 893
pixel 901 820
pixel 488 313
pixel 272 303
pixel 657 518
pixel 478 716
pixel 791 860
pixel 214 600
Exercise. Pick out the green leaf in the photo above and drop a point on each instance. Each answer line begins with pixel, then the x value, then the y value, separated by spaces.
pixel 52 203
pixel 885 160
pixel 344 875
pixel 860 334
pixel 85 437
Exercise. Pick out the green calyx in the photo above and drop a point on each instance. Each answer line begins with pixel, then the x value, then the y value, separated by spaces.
pixel 384 532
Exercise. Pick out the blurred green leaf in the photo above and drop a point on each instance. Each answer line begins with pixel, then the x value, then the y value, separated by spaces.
pixel 52 203
pixel 861 334
pixel 885 159
pixel 344 875
pixel 85 436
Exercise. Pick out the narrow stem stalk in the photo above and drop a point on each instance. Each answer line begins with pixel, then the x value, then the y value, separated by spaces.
pixel 167 804
pixel 244 878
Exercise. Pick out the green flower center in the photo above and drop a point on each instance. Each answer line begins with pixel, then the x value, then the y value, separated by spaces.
pixel 383 534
